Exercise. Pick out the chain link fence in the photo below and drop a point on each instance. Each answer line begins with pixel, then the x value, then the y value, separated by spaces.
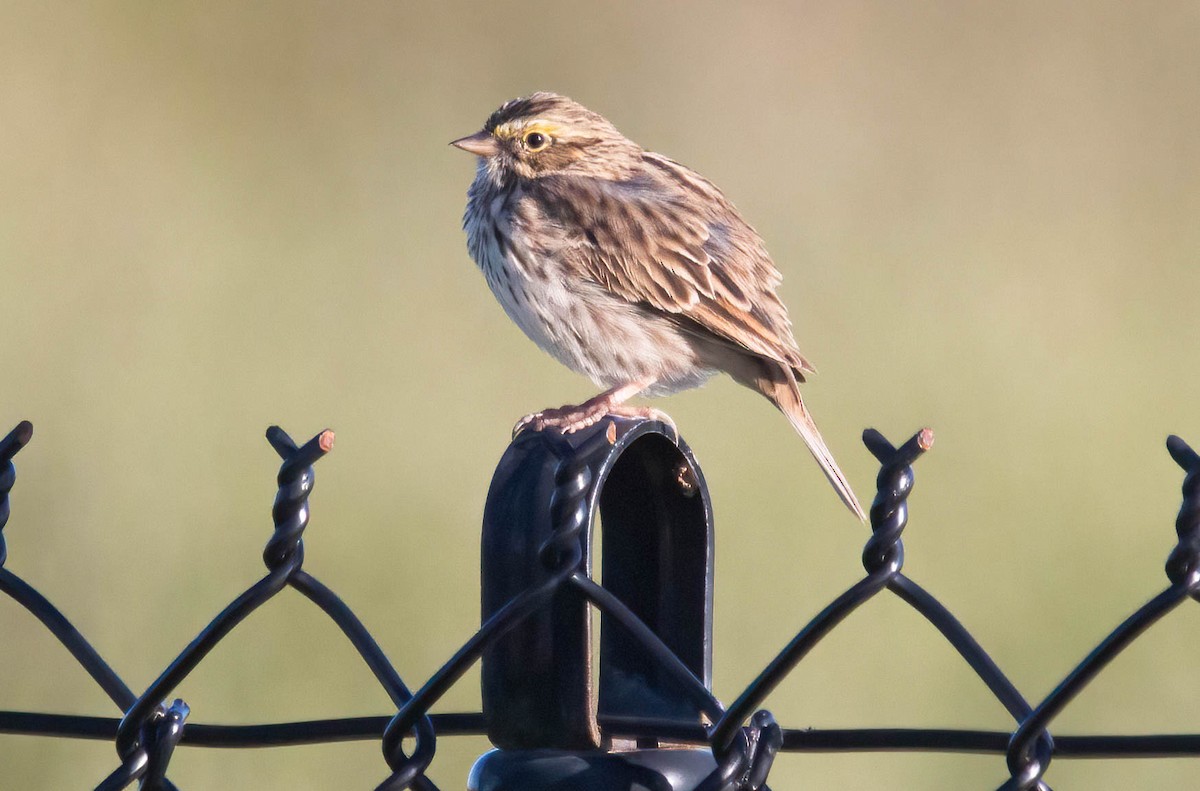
pixel 654 690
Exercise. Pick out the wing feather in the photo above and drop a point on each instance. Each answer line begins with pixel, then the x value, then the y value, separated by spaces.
pixel 669 239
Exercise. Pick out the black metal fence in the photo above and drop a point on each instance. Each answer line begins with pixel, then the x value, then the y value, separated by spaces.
pixel 654 686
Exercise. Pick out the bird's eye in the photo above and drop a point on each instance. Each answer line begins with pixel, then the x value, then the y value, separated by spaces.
pixel 536 141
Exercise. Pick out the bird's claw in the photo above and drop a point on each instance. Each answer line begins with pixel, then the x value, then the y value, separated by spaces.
pixel 569 419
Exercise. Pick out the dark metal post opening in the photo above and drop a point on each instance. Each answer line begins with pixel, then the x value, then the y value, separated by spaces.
pixel 657 560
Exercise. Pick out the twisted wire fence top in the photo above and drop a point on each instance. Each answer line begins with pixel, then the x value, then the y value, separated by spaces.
pixel 9 446
pixel 744 739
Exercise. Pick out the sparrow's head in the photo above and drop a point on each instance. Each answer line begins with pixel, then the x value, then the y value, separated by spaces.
pixel 546 133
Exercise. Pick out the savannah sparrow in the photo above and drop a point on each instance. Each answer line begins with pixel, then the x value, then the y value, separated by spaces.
pixel 628 268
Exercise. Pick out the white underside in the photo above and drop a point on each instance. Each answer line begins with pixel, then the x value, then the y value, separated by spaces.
pixel 591 331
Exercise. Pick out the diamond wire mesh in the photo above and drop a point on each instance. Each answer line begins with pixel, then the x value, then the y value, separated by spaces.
pixel 744 738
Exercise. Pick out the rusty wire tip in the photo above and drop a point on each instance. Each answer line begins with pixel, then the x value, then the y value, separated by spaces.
pixel 912 450
pixel 1182 453
pixel 887 453
pixel 297 458
pixel 610 433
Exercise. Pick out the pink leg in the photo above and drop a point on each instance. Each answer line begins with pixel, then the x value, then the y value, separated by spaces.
pixel 569 419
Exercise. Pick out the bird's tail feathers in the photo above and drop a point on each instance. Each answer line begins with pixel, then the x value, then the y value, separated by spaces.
pixel 784 392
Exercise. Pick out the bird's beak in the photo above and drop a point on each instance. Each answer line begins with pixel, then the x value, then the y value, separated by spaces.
pixel 481 144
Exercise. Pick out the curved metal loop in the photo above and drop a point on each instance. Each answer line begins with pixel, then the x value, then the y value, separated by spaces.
pixel 160 735
pixel 765 738
pixel 133 766
pixel 747 762
pixel 408 770
pixel 733 763
pixel 1027 764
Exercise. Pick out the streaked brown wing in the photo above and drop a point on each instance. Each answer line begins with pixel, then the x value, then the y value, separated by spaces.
pixel 668 238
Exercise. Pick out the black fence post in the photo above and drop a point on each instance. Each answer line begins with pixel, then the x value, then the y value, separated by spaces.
pixel 548 711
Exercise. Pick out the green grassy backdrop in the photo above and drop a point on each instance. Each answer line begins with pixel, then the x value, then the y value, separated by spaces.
pixel 217 216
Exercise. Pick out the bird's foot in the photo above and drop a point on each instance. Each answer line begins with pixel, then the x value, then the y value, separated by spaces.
pixel 569 419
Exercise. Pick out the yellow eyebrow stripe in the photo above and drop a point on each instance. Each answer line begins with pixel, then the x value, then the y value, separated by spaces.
pixel 522 128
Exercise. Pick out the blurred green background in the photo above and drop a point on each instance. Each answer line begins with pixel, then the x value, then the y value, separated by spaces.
pixel 217 216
